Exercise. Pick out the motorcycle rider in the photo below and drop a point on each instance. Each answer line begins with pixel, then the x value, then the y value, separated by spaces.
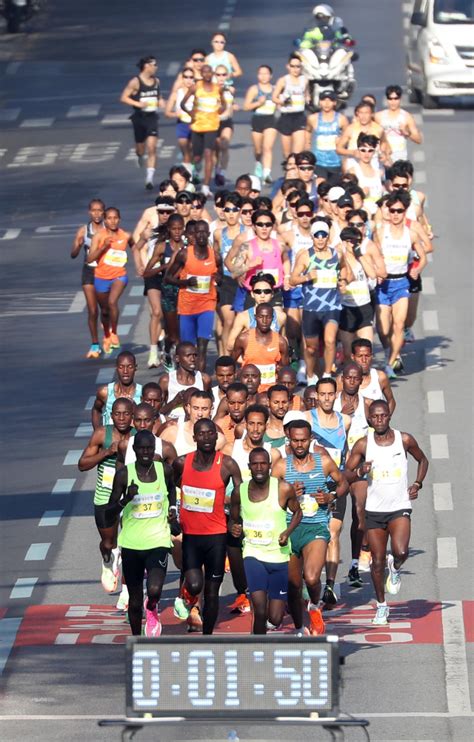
pixel 328 26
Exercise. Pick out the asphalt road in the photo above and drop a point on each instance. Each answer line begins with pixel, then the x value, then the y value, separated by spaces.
pixel 53 159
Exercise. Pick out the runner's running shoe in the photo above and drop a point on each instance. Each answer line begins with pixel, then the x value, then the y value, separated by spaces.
pixel 393 582
pixel 381 616
pixel 122 602
pixel 94 351
pixel 153 625
pixel 106 346
pixel 365 560
pixel 114 341
pixel 354 577
pixel 329 596
pixel 108 579
pixel 317 625
pixel 194 620
pixel 240 605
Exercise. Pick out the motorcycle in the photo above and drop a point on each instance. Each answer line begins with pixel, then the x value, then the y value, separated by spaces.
pixel 328 66
pixel 17 12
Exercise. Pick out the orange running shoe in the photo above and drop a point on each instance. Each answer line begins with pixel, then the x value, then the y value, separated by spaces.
pixel 114 341
pixel 317 625
pixel 106 346
pixel 365 560
pixel 240 605
pixel 191 600
pixel 94 351
pixel 194 620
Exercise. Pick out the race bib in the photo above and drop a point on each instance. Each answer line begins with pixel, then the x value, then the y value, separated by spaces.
pixel 297 100
pixel 354 436
pixel 308 505
pixel 151 106
pixel 198 499
pixel 115 258
pixel 326 142
pixel 358 289
pixel 147 506
pixel 387 475
pixel 268 108
pixel 207 104
pixel 395 255
pixel 108 474
pixel 268 373
pixel 326 278
pixel 203 285
pixel 258 533
pixel 336 455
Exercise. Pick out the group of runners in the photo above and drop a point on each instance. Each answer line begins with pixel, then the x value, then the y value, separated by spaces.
pixel 249 468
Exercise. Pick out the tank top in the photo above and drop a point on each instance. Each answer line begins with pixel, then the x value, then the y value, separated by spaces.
pixel 226 244
pixel 148 93
pixel 324 138
pixel 301 242
pixel 111 397
pixel 265 357
pixel 181 444
pixel 216 392
pixel 185 118
pixel 359 424
pixel 388 478
pixel 229 101
pixel 275 442
pixel 322 294
pixel 203 297
pixel 267 108
pixel 392 128
pixel 206 108
pixel 295 90
pixel 253 322
pixel 223 60
pixel 372 182
pixel 313 481
pixel 396 252
pixel 357 291
pixel 88 235
pixel 202 498
pixel 262 524
pixel 105 472
pixel 271 262
pixel 333 439
pixel 111 264
pixel 145 519
pixel 130 455
pixel 373 390
pixel 241 456
pixel 174 387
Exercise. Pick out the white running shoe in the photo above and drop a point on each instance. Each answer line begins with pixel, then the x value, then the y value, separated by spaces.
pixel 381 616
pixel 393 582
pixel 108 579
pixel 153 360
pixel 301 373
pixel 122 602
pixel 206 190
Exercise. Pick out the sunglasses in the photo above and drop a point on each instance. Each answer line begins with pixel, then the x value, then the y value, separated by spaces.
pixel 359 225
pixel 393 97
pixel 321 235
pixel 400 185
pixel 296 66
pixel 366 149
pixel 305 167
pixel 262 291
pixel 231 209
pixel 183 201
pixel 304 213
pixel 197 206
pixel 396 211
pixel 221 74
pixel 264 225
pixel 197 59
pixel 246 212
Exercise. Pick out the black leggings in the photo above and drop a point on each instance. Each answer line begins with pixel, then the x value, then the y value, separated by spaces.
pixel 134 565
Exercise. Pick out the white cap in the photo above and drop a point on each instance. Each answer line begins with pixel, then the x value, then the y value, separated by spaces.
pixel 335 193
pixel 293 415
pixel 256 183
pixel 319 227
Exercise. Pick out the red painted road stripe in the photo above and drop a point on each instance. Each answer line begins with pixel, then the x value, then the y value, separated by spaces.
pixel 468 613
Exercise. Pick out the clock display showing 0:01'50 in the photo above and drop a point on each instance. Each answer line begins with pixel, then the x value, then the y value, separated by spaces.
pixel 276 676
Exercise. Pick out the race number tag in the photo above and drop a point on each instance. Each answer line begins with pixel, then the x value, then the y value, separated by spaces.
pixel 147 506
pixel 336 455
pixel 268 373
pixel 326 142
pixel 258 532
pixel 387 475
pixel 203 285
pixel 108 474
pixel 198 499
pixel 115 258
pixel 308 505
pixel 326 278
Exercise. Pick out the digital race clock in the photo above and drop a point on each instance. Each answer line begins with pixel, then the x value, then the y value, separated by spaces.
pixel 217 676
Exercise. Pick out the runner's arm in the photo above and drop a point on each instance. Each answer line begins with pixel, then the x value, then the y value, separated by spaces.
pixel 288 501
pixel 94 452
pixel 236 68
pixel 98 407
pixel 240 324
pixel 411 446
pixel 130 89
pixel 78 242
pixel 331 470
pixel 356 465
pixel 240 346
pixel 119 491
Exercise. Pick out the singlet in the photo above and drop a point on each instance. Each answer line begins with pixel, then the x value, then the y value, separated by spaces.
pixel 206 108
pixel 265 357
pixel 88 235
pixel 202 498
pixel 185 118
pixel 253 322
pixel 203 297
pixel 215 391
pixel 274 442
pixel 313 481
pixel 226 244
pixel 174 387
pixel 271 262
pixel 388 478
pixel 392 128
pixel 262 524
pixel 333 439
pixel 223 60
pixel 229 102
pixel 148 93
pixel 105 472
pixel 145 519
pixel 372 182
pixel 373 390
pixel 322 295
pixel 396 252
pixel 130 455
pixel 111 397
pixel 181 444
pixel 324 138
pixel 241 456
pixel 267 108
pixel 296 91
pixel 357 291
pixel 359 424
pixel 301 242
pixel 372 282
pixel 111 264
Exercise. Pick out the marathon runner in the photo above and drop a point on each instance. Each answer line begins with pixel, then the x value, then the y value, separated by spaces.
pixel 185 376
pixel 262 347
pixel 125 386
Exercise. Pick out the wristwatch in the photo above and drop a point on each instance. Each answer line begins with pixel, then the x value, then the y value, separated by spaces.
pixel 420 484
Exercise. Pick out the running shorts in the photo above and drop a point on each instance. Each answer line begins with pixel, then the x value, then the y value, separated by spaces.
pixel 205 551
pixel 381 520
pixel 144 125
pixel 103 285
pixel 87 278
pixel 136 562
pixel 202 140
pixel 270 577
pixel 315 322
pixel 260 122
pixel 194 326
pixel 392 290
pixel 307 532
pixel 354 318
pixel 289 123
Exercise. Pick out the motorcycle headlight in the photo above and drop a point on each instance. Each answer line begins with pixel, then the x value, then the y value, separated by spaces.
pixel 437 52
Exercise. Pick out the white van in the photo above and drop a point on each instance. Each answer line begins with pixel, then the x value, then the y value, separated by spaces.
pixel 441 50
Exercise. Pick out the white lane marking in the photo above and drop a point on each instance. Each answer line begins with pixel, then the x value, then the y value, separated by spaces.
pixel 442 496
pixel 115 119
pixel 173 69
pixel 72 457
pixel 406 23
pixel 13 68
pixel 420 176
pixel 433 359
pixel 9 114
pixel 8 631
pixel 63 486
pixel 78 303
pixel 226 16
pixel 9 234
pixel 36 123
pixel 84 430
pixel 429 287
pixel 418 156
pixel 89 110
pixel 439 446
pixel 105 375
pixel 454 650
pixel 66 638
pixel 430 320
pixel 223 26
pixel 37 552
pixel 447 553
pixel 436 402
pixel 136 291
pixel 90 403
pixel 50 518
pixel 23 588
pixel 123 329
pixel 438 112
pixel 130 310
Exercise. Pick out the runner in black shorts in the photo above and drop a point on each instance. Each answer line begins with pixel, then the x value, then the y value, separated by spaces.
pixel 290 94
pixel 258 99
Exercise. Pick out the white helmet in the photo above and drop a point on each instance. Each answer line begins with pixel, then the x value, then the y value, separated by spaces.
pixel 323 14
